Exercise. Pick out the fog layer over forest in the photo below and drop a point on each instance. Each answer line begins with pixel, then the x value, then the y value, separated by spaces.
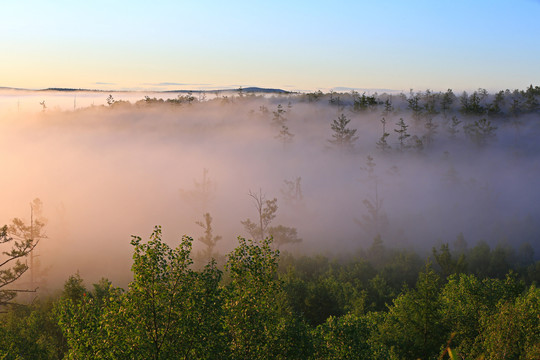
pixel 108 171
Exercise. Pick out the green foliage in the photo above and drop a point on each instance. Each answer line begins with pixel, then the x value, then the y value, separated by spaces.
pixel 513 331
pixel 169 310
pixel 467 301
pixel 282 235
pixel 413 327
pixel 345 337
pixel 531 102
pixel 447 264
pixel 471 105
pixel 414 105
pixel 363 102
pixel 251 307
pixel 257 318
pixel 464 299
pixel 31 332
pixel 314 96
pixel 377 304
pixel 447 100
pixel 79 318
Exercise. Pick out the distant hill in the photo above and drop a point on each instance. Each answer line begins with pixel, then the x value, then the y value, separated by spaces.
pixel 66 89
pixel 263 90
pixel 251 89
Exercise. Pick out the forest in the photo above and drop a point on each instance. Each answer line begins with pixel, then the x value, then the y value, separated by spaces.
pixel 367 226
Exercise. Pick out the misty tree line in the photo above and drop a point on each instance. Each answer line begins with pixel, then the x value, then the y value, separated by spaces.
pixel 474 115
pixel 479 109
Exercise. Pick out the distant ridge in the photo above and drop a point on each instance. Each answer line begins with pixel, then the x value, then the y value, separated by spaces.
pixel 55 89
pixel 263 90
pixel 68 89
pixel 251 89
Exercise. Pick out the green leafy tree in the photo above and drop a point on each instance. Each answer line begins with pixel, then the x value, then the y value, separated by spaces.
pixel 172 309
pixel 466 304
pixel 258 320
pixel 464 299
pixel 169 310
pixel 345 337
pixel 79 317
pixel 31 332
pixel 447 263
pixel 413 327
pixel 513 331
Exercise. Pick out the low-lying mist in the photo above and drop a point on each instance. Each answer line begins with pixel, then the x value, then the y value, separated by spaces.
pixel 105 172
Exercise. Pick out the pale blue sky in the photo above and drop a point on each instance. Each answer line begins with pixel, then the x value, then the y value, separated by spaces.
pixel 305 45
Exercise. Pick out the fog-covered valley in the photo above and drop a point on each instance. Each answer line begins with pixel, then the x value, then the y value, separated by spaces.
pixel 117 166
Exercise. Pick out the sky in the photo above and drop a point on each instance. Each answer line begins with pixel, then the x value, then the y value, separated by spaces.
pixel 292 45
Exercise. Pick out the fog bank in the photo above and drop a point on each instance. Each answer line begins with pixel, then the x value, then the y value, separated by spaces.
pixel 105 172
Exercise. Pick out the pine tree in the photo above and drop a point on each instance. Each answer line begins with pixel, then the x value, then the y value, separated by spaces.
pixel 343 137
pixel 208 239
pixel 279 118
pixel 402 133
pixel 382 144
pixel 453 127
